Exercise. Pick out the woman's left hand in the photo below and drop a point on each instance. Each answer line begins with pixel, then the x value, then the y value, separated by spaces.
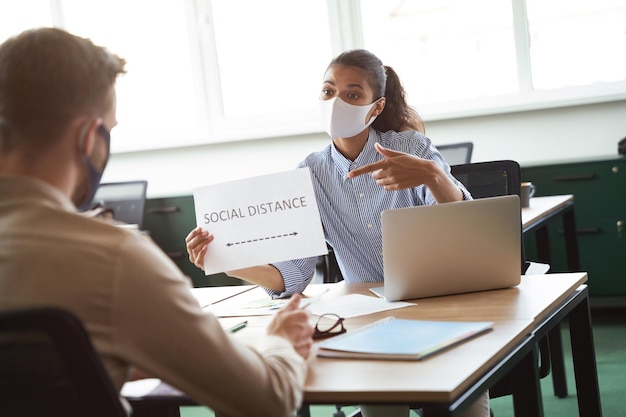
pixel 398 170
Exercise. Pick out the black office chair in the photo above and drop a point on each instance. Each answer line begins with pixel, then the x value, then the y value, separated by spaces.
pixel 49 368
pixel 496 178
pixel 125 200
pixel 457 153
pixel 492 179
pixel 328 267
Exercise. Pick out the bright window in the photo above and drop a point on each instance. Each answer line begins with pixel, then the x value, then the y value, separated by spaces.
pixel 459 57
pixel 268 60
pixel 16 16
pixel 207 71
pixel 444 50
pixel 577 42
pixel 159 102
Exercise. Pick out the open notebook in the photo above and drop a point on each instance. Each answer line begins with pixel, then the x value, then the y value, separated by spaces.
pixel 451 248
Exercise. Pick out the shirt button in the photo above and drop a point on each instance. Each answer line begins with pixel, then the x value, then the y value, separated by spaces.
pixel 369 226
pixel 361 195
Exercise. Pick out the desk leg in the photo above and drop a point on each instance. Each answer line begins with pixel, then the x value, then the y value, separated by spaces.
pixel 542 240
pixel 584 358
pixel 527 399
pixel 555 343
pixel 436 411
pixel 140 410
pixel 557 361
pixel 304 411
pixel 571 241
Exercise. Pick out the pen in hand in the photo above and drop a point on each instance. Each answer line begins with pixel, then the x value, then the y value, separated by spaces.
pixel 308 301
pixel 238 327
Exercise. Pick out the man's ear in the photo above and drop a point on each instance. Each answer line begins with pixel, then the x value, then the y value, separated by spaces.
pixel 88 136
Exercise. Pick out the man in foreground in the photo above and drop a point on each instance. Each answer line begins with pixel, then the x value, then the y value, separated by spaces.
pixel 57 109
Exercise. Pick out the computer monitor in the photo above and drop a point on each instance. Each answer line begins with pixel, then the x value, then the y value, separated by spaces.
pixel 457 153
pixel 126 199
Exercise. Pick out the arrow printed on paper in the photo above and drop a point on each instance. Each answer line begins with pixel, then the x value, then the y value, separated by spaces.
pixel 261 239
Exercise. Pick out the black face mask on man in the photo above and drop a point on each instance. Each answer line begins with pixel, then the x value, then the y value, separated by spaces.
pixel 94 175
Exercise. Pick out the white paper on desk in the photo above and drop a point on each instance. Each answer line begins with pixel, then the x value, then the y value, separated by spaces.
pixel 260 220
pixel 353 305
pixel 255 302
pixel 258 303
pixel 211 295
pixel 140 387
pixel 259 307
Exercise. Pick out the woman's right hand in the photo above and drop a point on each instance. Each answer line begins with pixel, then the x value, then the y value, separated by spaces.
pixel 197 243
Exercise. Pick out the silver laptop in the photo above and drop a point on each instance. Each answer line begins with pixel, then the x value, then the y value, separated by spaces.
pixel 451 248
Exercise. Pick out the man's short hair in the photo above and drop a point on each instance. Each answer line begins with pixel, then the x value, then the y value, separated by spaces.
pixel 48 77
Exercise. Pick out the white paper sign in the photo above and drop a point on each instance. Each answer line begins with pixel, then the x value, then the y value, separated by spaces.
pixel 260 220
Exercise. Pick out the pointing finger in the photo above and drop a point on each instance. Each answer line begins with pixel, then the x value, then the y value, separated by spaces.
pixel 366 169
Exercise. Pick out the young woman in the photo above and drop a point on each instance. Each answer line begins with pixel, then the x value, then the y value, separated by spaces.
pixel 375 132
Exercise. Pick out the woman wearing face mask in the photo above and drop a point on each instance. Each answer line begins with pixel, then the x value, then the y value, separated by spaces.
pixel 374 132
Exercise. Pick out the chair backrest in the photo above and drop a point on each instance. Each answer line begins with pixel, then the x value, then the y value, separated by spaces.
pixel 49 367
pixel 489 179
pixel 492 179
pixel 456 153
pixel 127 200
pixel 328 266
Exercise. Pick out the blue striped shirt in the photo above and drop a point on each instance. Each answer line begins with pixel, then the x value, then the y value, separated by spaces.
pixel 350 208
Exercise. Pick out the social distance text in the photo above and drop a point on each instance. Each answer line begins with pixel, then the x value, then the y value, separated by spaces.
pixel 255 210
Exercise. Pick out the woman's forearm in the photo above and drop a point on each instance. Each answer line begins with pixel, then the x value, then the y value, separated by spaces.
pixel 264 275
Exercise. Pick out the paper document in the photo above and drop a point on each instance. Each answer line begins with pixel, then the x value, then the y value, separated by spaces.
pixel 260 220
pixel 140 387
pixel 255 302
pixel 211 295
pixel 353 305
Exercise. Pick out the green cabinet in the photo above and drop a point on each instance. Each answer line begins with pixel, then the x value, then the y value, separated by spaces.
pixel 599 189
pixel 168 221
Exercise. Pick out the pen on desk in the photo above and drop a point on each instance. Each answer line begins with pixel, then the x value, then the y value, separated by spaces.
pixel 238 327
pixel 308 301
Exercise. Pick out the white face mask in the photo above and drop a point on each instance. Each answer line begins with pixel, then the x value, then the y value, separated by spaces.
pixel 343 120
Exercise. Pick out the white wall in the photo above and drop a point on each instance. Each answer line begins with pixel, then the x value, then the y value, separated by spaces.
pixel 530 137
pixel 539 136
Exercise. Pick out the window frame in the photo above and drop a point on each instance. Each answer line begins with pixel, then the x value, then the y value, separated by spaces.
pixel 526 98
pixel 346 32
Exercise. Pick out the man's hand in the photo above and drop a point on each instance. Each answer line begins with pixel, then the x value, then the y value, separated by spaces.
pixel 292 323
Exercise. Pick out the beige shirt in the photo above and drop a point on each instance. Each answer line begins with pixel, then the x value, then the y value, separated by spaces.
pixel 136 305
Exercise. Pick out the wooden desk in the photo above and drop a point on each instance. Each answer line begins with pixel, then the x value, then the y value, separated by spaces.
pixel 535 219
pixel 446 383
